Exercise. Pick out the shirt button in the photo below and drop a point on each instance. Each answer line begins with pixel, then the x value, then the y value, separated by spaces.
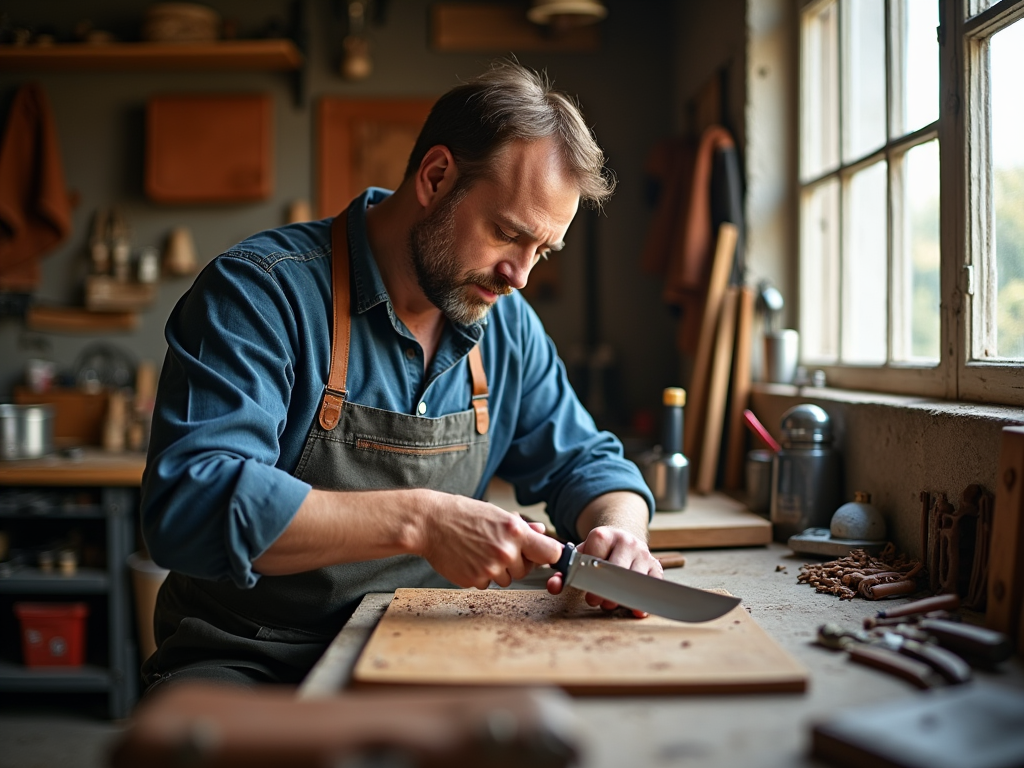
pixel 410 353
pixel 421 408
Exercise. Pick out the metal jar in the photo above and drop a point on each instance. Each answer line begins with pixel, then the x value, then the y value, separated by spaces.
pixel 26 431
pixel 807 483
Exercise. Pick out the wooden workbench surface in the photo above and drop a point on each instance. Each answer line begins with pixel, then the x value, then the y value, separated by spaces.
pixel 93 467
pixel 703 731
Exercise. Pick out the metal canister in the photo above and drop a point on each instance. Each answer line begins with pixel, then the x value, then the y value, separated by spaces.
pixel 666 469
pixel 806 474
pixel 26 431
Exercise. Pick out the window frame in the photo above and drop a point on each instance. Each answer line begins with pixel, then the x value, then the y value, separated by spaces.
pixel 964 206
pixel 972 26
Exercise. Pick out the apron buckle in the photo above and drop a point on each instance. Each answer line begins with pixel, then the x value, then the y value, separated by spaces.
pixel 330 409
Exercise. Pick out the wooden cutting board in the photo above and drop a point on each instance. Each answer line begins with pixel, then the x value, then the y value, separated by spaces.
pixel 530 637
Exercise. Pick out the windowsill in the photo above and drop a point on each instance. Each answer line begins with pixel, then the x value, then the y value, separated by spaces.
pixel 934 406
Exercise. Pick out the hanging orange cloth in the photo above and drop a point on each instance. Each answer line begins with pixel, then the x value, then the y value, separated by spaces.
pixel 681 239
pixel 35 213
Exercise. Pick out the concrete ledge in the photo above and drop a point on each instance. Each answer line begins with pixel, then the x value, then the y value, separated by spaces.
pixel 1007 414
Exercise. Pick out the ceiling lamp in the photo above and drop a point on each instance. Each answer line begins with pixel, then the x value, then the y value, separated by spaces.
pixel 566 13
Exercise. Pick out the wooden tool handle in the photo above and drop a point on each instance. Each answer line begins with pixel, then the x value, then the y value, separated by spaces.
pixel 915 672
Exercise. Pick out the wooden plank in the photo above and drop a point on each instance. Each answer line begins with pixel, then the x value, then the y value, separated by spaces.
pixel 78 320
pixel 363 143
pixel 94 468
pixel 1004 610
pixel 718 390
pixel 500 28
pixel 740 396
pixel 725 250
pixel 105 294
pixel 529 637
pixel 226 55
pixel 714 520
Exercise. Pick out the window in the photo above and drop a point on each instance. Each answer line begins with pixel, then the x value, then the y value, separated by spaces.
pixel 912 235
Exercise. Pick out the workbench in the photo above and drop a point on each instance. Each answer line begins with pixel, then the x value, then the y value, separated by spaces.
pixel 699 731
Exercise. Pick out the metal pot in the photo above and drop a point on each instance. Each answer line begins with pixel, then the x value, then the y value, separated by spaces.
pixel 26 431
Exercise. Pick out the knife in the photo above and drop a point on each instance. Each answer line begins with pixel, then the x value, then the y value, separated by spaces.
pixel 640 591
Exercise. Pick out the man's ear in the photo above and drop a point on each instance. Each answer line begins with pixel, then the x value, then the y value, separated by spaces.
pixel 436 175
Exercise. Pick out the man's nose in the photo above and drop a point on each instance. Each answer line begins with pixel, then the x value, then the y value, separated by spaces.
pixel 516 270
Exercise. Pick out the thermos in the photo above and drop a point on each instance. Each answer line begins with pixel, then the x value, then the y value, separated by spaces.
pixel 806 474
pixel 667 470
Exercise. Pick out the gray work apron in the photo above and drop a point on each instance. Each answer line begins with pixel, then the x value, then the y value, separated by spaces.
pixel 277 630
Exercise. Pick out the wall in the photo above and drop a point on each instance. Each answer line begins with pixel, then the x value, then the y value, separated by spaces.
pixel 625 90
pixel 896 447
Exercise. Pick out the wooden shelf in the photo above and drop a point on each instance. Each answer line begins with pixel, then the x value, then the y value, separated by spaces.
pixel 501 27
pixel 95 467
pixel 78 320
pixel 250 55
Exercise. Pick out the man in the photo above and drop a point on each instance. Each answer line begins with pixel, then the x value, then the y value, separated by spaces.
pixel 337 396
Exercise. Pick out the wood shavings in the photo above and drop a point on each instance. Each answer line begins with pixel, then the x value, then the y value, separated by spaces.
pixel 860 574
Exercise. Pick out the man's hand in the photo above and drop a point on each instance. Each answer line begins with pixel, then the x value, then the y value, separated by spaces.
pixel 472 543
pixel 615 526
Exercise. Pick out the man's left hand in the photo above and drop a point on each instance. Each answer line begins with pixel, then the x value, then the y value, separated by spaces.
pixel 619 547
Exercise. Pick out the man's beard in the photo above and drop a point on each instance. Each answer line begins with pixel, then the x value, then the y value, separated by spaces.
pixel 438 271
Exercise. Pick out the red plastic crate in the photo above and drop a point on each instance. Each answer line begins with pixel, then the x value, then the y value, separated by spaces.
pixel 52 634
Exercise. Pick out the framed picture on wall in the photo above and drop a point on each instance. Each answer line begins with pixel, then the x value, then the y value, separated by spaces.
pixel 363 143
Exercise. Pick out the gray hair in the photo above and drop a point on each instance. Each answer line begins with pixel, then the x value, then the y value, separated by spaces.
pixel 509 102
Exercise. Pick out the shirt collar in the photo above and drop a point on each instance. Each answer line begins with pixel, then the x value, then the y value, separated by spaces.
pixel 369 285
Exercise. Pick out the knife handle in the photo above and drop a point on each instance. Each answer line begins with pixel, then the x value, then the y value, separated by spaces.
pixel 942 660
pixel 966 639
pixel 916 672
pixel 562 566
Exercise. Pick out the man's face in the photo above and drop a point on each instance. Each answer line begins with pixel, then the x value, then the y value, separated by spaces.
pixel 479 244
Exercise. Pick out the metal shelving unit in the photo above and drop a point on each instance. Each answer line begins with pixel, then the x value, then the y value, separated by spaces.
pixel 118 676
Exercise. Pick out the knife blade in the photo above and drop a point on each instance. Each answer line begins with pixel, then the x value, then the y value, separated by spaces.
pixel 640 591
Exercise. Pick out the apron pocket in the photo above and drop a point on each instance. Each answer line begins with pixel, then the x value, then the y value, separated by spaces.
pixel 366 444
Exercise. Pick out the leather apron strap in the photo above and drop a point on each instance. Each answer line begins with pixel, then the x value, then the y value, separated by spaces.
pixel 341 331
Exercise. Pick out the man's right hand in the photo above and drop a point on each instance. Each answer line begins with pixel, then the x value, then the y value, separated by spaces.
pixel 472 543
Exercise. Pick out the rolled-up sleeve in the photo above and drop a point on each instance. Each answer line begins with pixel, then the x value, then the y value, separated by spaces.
pixel 213 496
pixel 557 454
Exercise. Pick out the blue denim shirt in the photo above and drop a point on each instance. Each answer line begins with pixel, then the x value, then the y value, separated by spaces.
pixel 246 366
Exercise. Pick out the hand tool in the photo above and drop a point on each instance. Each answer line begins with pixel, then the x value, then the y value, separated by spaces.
pixel 975 643
pixel 639 591
pixel 878 656
pixel 943 661
pixel 925 605
pixel 871 622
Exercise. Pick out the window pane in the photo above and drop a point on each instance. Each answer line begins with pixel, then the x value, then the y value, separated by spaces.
pixel 864 316
pixel 863 77
pixel 819 139
pixel 918 86
pixel 917 268
pixel 1007 62
pixel 819 274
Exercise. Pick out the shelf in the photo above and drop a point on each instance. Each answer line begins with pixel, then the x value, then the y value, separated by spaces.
pixel 32 581
pixel 228 55
pixel 87 678
pixel 95 468
pixel 76 319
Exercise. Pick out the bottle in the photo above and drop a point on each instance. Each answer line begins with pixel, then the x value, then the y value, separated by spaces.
pixel 667 470
pixel 806 473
